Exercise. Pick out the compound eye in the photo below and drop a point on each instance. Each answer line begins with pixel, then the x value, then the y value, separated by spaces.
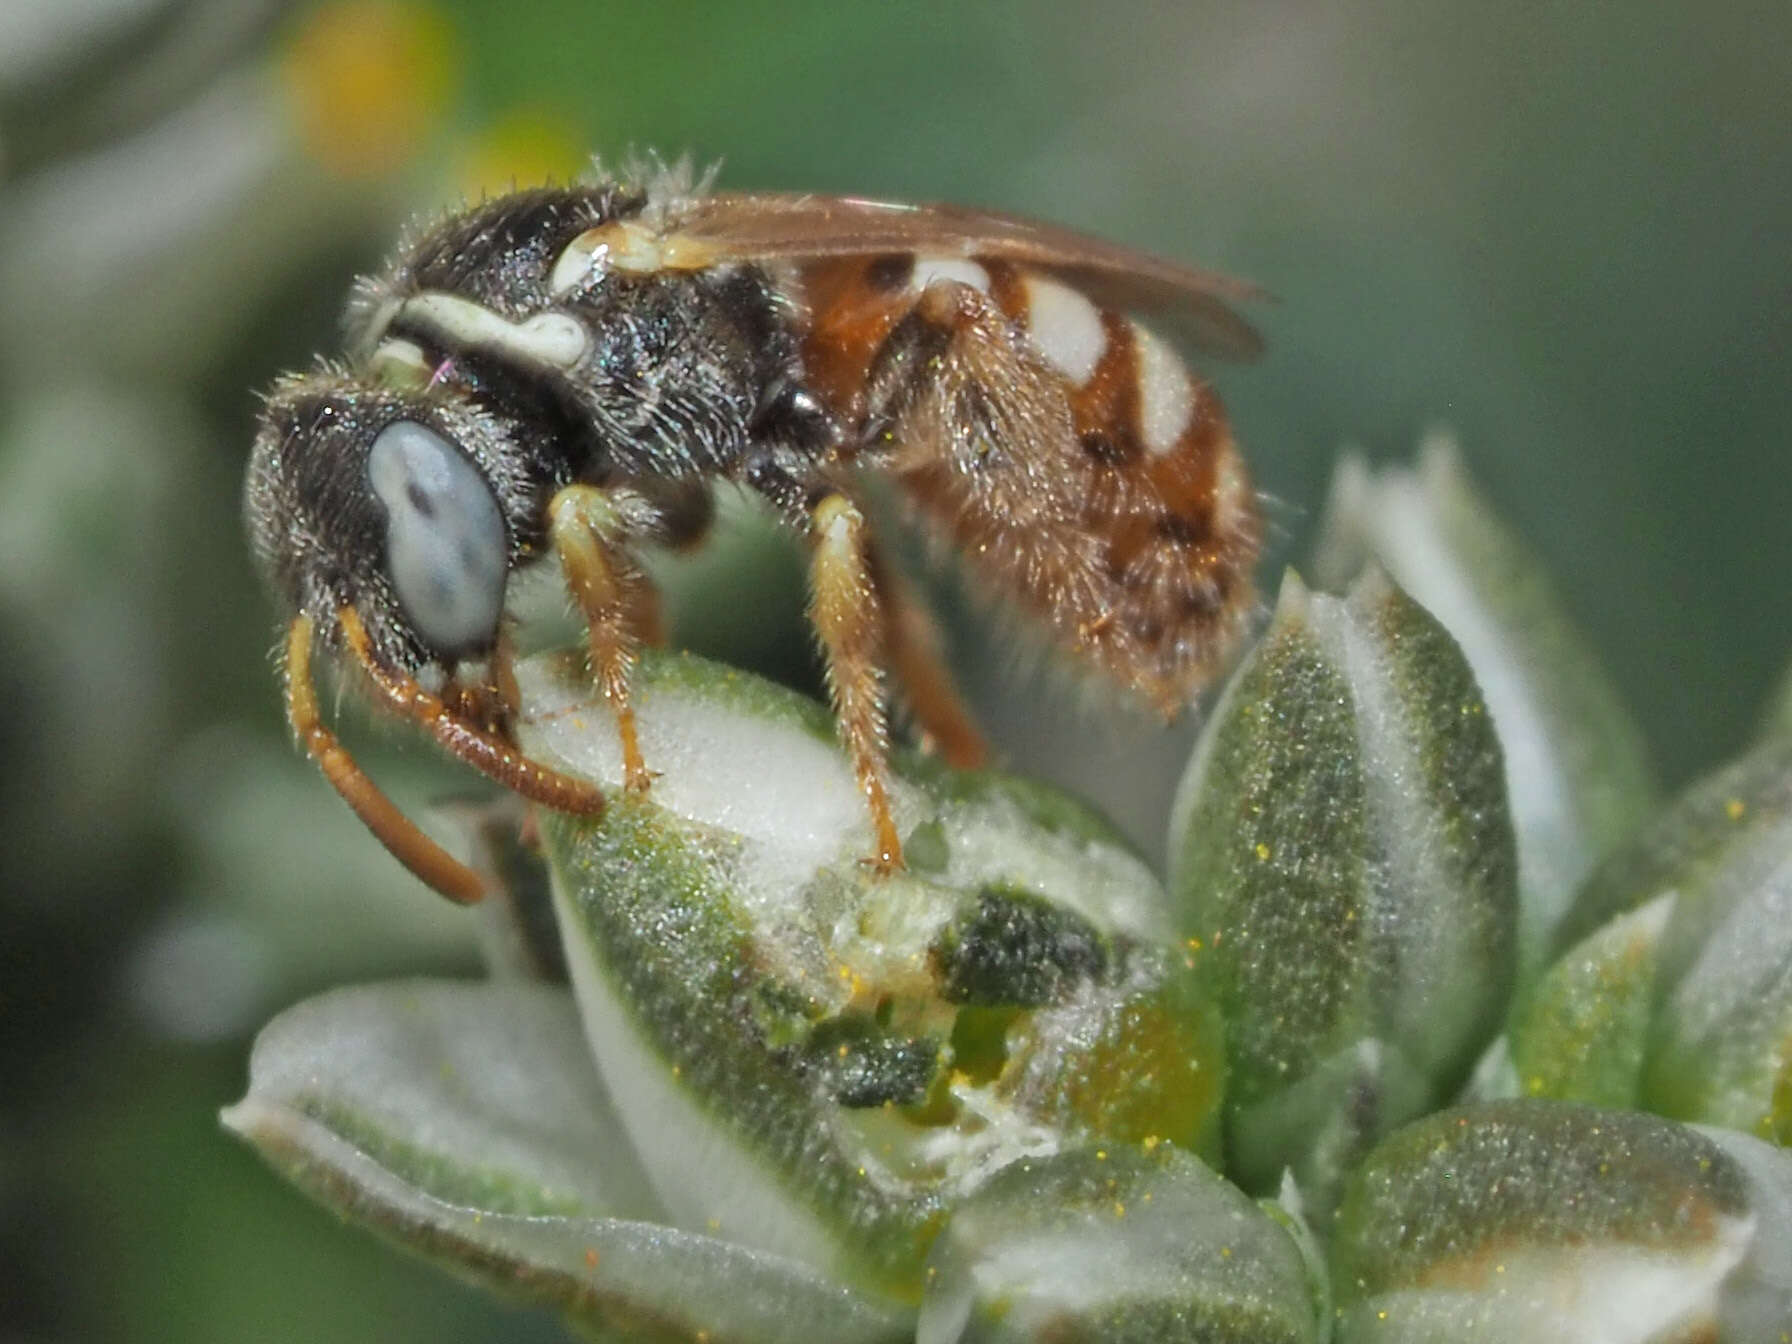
pixel 444 537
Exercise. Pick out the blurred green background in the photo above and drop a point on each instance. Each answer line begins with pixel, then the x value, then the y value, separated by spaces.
pixel 1563 230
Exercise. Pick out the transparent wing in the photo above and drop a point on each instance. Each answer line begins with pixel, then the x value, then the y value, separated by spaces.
pixel 1193 305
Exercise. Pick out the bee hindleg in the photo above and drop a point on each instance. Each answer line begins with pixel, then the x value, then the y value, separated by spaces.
pixel 397 832
pixel 484 751
pixel 588 527
pixel 846 610
pixel 912 643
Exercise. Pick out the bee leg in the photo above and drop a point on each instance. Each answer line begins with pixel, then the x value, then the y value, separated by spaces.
pixel 847 614
pixel 646 619
pixel 509 694
pixel 587 526
pixel 484 751
pixel 912 642
pixel 397 832
pixel 494 701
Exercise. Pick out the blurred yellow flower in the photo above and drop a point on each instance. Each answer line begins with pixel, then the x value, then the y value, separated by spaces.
pixel 369 79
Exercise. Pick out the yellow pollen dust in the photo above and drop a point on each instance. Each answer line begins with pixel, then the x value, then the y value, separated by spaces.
pixel 1262 851
pixel 1735 808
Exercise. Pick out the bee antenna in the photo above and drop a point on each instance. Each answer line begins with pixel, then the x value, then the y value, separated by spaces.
pixel 400 835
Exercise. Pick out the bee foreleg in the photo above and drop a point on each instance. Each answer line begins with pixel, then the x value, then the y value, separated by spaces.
pixel 397 832
pixel 589 528
pixel 847 613
pixel 490 755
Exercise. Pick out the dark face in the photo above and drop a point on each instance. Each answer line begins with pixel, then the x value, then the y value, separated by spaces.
pixel 400 503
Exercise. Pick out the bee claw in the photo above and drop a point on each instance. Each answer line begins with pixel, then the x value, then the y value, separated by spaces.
pixel 882 865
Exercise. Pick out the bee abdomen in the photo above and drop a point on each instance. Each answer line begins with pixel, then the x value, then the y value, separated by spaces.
pixel 1166 493
pixel 1106 497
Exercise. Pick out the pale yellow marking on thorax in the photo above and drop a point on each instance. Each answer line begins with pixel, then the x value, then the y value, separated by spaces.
pixel 550 340
pixel 624 245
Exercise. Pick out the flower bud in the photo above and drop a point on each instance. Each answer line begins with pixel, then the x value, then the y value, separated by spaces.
pixel 1123 1245
pixel 1343 862
pixel 1519 1221
pixel 1714 874
pixel 1576 769
pixel 818 1061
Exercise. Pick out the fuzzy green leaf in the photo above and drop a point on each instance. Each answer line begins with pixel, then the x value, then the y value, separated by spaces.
pixel 465 1123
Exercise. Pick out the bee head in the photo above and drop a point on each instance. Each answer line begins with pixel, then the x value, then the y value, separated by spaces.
pixel 409 507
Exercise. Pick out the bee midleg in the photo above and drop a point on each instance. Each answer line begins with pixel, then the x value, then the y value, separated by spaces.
pixel 590 528
pixel 464 738
pixel 912 644
pixel 397 832
pixel 847 613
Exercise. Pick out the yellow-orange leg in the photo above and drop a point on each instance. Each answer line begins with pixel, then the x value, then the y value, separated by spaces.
pixel 509 694
pixel 646 618
pixel 587 527
pixel 847 614
pixel 397 832
pixel 490 755
pixel 496 702
pixel 913 647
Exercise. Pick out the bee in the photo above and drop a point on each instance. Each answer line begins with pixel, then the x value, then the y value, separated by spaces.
pixel 570 372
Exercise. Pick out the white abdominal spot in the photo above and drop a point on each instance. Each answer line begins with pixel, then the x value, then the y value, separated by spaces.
pixel 929 269
pixel 445 548
pixel 1166 397
pixel 1066 328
